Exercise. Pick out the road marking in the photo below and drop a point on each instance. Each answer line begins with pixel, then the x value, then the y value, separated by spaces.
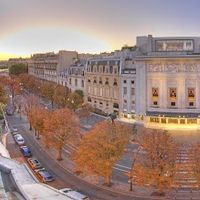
pixel 67 151
pixel 123 166
pixel 121 169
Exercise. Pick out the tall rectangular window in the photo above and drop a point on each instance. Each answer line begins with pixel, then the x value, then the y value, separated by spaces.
pixel 124 90
pixel 132 91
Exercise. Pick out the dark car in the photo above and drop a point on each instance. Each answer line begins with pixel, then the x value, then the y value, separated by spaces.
pixel 44 176
pixel 25 151
pixel 9 112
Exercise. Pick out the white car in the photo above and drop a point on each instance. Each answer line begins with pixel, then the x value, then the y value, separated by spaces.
pixel 73 194
pixel 19 139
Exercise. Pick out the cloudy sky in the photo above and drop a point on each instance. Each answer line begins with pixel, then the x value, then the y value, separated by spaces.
pixel 30 26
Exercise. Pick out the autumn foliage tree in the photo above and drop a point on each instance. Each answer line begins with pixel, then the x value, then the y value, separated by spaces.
pixel 74 101
pixel 14 87
pixel 38 116
pixel 157 167
pixel 47 90
pixel 101 148
pixel 30 102
pixel 3 95
pixel 30 83
pixel 60 95
pixel 61 128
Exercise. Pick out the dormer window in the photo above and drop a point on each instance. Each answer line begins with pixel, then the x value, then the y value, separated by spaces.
pixel 95 81
pixel 100 80
pixel 115 82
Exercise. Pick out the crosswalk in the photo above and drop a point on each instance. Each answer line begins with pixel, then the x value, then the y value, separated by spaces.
pixel 185 182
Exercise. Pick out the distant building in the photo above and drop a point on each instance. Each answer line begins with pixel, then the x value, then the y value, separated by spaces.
pixel 76 79
pixel 47 66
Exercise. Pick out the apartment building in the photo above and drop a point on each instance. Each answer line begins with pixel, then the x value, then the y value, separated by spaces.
pixel 48 66
pixel 102 83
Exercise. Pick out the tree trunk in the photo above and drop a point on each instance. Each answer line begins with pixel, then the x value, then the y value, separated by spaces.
pixel 38 136
pixel 52 104
pixel 59 158
pixel 131 184
pixel 108 180
pixel 46 143
pixel 30 128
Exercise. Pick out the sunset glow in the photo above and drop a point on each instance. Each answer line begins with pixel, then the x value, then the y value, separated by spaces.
pixel 90 26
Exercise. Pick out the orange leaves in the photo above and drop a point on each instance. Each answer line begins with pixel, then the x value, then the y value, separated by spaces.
pixel 101 148
pixel 56 127
pixel 3 95
pixel 157 166
pixel 60 95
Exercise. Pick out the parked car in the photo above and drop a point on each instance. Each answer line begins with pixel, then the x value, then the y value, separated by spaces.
pixel 19 139
pixel 73 194
pixel 43 175
pixel 25 151
pixel 34 163
pixel 9 112
pixel 14 131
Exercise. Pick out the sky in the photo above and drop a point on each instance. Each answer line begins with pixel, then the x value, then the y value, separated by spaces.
pixel 90 26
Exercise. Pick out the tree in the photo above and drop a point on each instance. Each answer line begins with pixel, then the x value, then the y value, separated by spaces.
pixel 74 101
pixel 18 69
pixel 157 167
pixel 47 90
pixel 60 95
pixel 30 102
pixel 30 83
pixel 64 128
pixel 49 130
pixel 101 148
pixel 38 116
pixel 3 95
pixel 13 85
pixel 80 93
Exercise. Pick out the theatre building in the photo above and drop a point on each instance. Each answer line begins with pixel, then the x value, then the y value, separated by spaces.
pixel 168 80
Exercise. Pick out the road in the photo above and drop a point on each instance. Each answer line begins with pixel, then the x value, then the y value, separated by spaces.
pixel 63 177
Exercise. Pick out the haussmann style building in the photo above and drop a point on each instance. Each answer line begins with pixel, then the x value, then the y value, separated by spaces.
pixel 156 82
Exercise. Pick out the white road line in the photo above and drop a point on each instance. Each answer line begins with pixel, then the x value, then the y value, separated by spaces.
pixel 68 152
pixel 121 169
pixel 122 166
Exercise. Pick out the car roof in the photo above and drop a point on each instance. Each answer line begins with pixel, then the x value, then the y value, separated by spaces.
pixel 25 148
pixel 34 159
pixel 18 135
pixel 45 173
